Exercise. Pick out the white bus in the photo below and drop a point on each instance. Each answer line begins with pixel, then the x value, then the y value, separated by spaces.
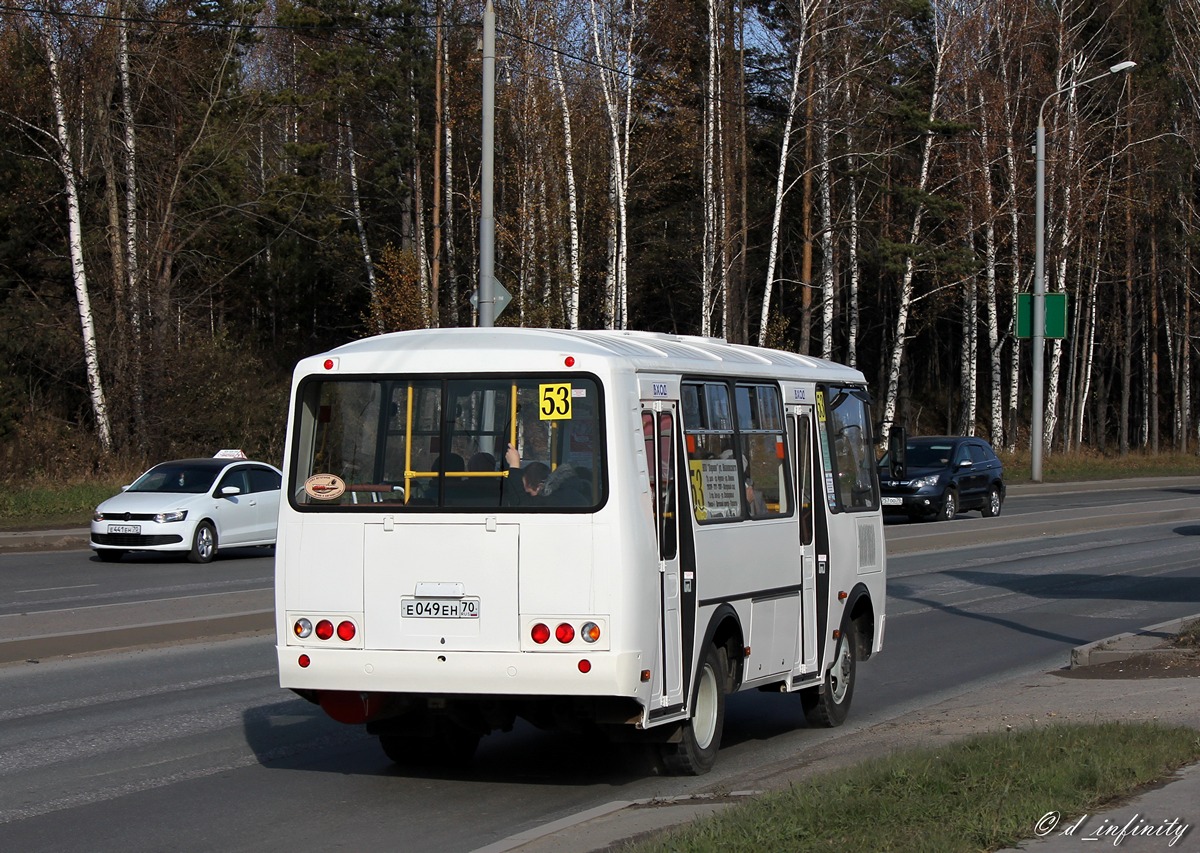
pixel 686 518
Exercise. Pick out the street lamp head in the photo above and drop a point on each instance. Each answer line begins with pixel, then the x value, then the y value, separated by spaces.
pixel 1122 66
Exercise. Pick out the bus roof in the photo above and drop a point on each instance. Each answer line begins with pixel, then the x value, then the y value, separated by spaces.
pixel 469 349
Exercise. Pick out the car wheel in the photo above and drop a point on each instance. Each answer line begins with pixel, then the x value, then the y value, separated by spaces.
pixel 991 509
pixel 107 556
pixel 829 707
pixel 949 507
pixel 204 543
pixel 696 752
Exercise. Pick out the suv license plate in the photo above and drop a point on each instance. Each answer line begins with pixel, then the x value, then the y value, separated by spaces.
pixel 893 501
pixel 439 608
pixel 124 528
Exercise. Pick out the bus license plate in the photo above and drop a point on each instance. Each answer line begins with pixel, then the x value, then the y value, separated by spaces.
pixel 893 501
pixel 124 528
pixel 439 608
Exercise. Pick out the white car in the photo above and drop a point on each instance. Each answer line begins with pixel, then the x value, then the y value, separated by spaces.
pixel 191 505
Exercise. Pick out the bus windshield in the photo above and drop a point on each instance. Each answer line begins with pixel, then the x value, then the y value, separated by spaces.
pixel 421 443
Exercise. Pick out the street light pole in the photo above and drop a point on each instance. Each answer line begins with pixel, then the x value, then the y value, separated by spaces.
pixel 1037 316
pixel 487 220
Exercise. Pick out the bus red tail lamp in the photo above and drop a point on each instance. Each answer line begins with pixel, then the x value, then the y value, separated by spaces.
pixel 843 595
pixel 565 633
pixel 345 631
pixel 585 666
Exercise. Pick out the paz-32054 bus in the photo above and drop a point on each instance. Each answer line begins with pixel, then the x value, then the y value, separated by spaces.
pixel 600 530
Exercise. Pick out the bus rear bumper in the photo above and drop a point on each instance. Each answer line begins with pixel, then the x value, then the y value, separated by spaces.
pixel 605 673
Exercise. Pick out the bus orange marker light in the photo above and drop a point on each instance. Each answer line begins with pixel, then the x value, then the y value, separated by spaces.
pixel 645 675
pixel 564 633
pixel 590 632
pixel 843 595
pixel 324 629
pixel 345 631
pixel 304 661
pixel 837 635
pixel 540 634
pixel 585 666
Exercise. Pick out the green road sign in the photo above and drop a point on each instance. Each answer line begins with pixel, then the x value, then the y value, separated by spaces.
pixel 1056 315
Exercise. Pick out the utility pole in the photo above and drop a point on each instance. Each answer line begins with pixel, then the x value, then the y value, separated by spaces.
pixel 487 220
pixel 1037 315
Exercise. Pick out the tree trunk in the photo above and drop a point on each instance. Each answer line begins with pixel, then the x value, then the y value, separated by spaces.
pixel 66 164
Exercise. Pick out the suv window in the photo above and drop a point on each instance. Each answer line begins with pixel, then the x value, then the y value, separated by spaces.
pixel 979 453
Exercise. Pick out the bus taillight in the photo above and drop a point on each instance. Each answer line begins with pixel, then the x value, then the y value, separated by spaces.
pixel 345 631
pixel 564 633
pixel 590 632
pixel 302 628
pixel 540 634
pixel 324 629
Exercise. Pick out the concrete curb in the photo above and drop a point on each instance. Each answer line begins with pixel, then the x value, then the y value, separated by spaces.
pixel 134 636
pixel 1146 642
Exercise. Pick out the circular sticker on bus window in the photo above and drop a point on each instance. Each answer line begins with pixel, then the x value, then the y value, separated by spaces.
pixel 324 487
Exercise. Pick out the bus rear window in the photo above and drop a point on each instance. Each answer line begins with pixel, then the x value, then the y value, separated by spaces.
pixel 421 444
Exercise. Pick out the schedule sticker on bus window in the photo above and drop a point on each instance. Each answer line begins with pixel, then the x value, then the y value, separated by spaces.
pixel 554 401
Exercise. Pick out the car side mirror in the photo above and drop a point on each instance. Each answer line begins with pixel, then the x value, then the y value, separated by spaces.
pixel 966 463
pixel 230 491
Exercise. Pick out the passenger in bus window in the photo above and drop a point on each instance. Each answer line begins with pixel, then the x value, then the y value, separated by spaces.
pixel 755 503
pixel 537 485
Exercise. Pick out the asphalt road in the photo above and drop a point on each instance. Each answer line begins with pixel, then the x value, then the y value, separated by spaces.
pixel 194 747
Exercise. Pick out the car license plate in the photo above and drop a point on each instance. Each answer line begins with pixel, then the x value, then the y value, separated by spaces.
pixel 124 528
pixel 439 608
pixel 893 501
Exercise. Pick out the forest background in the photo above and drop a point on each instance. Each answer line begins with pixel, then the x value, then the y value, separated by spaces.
pixel 195 194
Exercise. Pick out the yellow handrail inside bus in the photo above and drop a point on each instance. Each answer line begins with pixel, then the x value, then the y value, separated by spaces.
pixel 408 444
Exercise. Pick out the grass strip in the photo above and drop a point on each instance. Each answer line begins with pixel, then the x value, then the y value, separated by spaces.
pixel 982 793
pixel 68 504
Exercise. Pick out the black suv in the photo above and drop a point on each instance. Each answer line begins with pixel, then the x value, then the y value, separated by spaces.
pixel 942 476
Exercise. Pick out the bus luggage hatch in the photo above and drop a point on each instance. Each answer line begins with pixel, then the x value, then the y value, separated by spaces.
pixel 445 587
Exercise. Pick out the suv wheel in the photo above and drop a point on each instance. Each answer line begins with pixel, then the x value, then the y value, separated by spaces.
pixel 949 507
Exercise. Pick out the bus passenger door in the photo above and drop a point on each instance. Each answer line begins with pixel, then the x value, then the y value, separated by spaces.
pixel 800 430
pixel 659 418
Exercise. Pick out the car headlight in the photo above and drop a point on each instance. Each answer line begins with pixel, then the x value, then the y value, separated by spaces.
pixel 928 480
pixel 97 516
pixel 177 515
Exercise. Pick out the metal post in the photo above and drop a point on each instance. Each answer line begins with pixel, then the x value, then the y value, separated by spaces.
pixel 487 221
pixel 1037 316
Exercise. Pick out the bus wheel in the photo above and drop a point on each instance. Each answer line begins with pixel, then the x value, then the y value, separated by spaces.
pixel 451 746
pixel 696 752
pixel 830 706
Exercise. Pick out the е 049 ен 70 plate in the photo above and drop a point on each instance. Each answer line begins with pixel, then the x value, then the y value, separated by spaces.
pixel 440 608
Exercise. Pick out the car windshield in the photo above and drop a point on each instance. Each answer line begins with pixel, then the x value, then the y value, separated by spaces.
pixel 171 477
pixel 928 455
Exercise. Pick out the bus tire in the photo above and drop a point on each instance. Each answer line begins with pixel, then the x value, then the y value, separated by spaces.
pixel 696 751
pixel 828 707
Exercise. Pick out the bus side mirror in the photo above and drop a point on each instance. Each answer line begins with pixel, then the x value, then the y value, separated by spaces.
pixel 897 447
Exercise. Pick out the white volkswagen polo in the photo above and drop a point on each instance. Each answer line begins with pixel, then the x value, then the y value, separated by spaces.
pixel 191 505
